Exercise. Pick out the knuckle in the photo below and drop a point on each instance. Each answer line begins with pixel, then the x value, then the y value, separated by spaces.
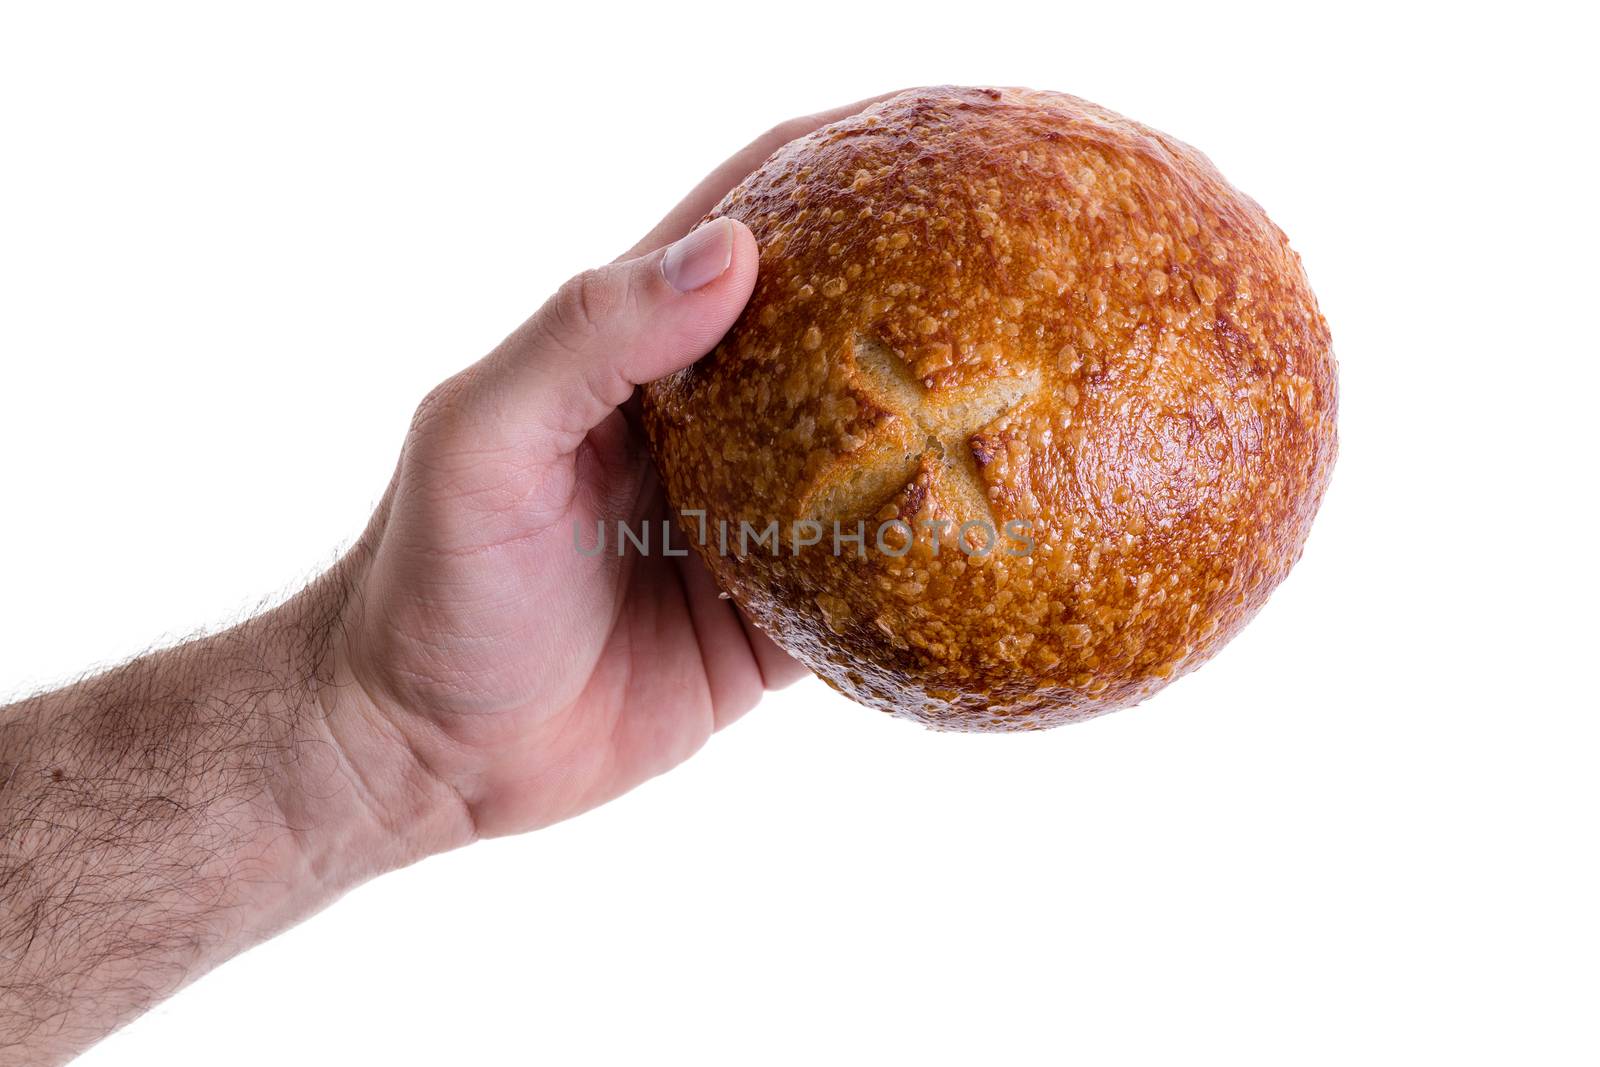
pixel 798 126
pixel 786 131
pixel 585 303
pixel 438 408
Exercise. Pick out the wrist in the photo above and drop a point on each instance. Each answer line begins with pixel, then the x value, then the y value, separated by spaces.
pixel 357 796
pixel 160 817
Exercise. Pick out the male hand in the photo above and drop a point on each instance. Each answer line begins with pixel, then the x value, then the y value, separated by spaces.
pixel 530 680
pixel 465 671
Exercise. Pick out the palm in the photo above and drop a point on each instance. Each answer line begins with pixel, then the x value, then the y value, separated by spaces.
pixel 562 679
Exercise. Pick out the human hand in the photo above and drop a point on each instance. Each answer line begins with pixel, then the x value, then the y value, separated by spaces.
pixel 528 680
pixel 464 671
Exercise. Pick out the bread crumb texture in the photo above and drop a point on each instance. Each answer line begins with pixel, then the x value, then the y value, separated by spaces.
pixel 995 305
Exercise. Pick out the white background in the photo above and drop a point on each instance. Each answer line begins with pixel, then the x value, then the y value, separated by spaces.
pixel 235 250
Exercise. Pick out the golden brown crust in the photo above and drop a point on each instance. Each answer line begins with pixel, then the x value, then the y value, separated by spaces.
pixel 1002 305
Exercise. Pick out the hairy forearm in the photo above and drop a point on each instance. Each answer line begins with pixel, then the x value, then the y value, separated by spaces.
pixel 158 818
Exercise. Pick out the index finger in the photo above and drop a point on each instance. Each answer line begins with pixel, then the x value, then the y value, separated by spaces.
pixel 714 186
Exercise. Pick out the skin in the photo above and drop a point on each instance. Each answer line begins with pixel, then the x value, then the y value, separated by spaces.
pixel 463 672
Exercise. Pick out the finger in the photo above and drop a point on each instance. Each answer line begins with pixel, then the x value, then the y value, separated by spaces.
pixel 608 330
pixel 705 196
pixel 778 668
pixel 733 675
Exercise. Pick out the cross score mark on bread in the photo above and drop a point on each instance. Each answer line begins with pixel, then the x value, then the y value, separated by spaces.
pixel 927 431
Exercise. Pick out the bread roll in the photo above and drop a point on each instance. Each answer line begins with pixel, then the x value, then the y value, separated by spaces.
pixel 1013 320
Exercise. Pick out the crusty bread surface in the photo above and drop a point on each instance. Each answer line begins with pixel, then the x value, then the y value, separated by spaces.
pixel 1009 320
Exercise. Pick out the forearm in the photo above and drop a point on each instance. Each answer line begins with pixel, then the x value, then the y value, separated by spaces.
pixel 161 817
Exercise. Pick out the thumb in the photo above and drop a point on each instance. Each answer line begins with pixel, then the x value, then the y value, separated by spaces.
pixel 609 329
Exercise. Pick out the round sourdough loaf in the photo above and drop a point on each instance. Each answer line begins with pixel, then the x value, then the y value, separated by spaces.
pixel 1028 414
